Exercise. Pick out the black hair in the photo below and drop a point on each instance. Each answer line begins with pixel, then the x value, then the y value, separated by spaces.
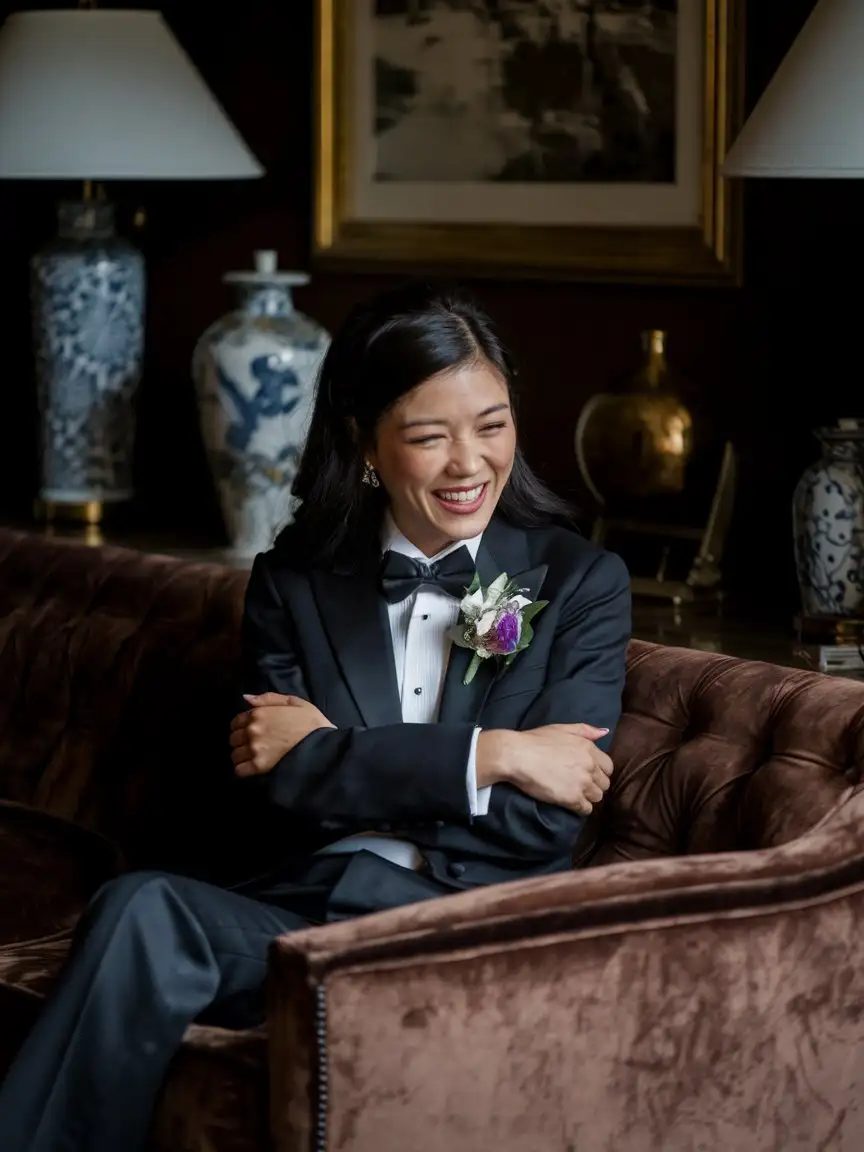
pixel 387 346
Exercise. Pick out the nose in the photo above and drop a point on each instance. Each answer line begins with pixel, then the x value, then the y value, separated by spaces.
pixel 465 460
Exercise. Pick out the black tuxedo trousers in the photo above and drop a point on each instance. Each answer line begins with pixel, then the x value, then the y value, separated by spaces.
pixel 153 953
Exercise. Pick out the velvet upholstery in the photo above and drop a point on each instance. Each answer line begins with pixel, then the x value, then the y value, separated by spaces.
pixel 695 985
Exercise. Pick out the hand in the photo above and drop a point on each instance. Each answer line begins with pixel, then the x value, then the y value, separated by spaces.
pixel 274 726
pixel 556 764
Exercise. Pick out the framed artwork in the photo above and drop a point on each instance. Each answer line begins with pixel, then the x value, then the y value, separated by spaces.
pixel 538 138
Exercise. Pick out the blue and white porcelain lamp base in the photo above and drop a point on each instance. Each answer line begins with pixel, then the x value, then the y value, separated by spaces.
pixel 87 296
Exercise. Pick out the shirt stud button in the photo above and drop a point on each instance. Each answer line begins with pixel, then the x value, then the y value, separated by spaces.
pixel 425 616
pixel 418 691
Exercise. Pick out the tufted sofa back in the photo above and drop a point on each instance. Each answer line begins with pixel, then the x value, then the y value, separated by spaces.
pixel 715 754
pixel 117 673
pixel 117 676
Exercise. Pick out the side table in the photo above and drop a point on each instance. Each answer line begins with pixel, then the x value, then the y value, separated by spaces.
pixel 709 631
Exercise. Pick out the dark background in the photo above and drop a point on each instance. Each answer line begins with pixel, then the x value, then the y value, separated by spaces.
pixel 770 360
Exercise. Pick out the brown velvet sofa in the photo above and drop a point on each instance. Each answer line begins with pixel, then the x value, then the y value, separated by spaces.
pixel 698 985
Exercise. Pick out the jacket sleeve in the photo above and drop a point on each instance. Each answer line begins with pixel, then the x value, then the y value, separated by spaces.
pixel 585 684
pixel 349 778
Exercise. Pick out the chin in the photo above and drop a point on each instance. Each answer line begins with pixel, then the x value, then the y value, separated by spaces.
pixel 466 526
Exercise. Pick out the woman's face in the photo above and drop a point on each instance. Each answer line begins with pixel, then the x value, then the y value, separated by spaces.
pixel 444 453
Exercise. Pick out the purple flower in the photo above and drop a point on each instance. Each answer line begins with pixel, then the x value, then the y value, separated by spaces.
pixel 504 637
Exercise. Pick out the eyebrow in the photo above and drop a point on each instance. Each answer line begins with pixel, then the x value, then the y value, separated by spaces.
pixel 430 420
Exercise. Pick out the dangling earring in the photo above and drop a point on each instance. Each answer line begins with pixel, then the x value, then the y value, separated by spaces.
pixel 370 476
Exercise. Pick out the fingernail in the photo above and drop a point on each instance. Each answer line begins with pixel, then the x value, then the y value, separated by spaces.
pixel 249 696
pixel 605 731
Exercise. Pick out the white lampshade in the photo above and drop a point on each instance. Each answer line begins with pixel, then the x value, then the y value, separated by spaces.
pixel 810 120
pixel 93 95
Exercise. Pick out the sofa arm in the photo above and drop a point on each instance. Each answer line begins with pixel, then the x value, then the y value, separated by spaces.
pixel 49 868
pixel 656 1004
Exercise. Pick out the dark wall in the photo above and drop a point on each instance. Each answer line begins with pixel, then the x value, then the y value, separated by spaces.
pixel 770 360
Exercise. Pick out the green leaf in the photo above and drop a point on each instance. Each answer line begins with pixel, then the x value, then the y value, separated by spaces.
pixel 526 636
pixel 471 672
pixel 475 583
pixel 531 610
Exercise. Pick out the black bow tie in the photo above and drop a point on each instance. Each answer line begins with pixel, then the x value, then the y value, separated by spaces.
pixel 401 576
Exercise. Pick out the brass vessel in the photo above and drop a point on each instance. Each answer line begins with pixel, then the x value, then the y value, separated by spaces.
pixel 636 444
pixel 663 481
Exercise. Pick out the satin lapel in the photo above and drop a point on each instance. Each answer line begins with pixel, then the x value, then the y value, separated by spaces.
pixel 503 549
pixel 356 622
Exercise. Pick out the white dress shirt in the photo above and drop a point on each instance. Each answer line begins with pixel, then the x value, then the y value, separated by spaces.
pixel 421 650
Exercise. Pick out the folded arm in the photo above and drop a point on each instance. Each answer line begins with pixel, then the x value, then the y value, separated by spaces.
pixel 407 774
pixel 354 777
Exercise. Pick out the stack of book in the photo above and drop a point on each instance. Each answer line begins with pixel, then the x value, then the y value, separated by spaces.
pixel 831 644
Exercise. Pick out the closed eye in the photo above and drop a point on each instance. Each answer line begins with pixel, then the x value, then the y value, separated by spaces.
pixel 496 427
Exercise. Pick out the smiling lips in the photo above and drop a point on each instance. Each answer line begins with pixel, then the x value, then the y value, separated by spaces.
pixel 462 501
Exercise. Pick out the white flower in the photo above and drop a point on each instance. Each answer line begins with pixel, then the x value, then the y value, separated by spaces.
pixel 471 605
pixel 485 622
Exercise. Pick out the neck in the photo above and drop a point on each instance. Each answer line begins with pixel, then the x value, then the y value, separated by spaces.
pixel 428 544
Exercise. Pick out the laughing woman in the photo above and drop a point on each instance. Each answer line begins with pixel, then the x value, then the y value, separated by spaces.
pixel 433 664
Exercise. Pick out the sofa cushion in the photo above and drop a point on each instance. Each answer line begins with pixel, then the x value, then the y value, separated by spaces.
pixel 216 1094
pixel 49 868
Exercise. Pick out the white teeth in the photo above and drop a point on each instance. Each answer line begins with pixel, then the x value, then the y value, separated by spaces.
pixel 466 497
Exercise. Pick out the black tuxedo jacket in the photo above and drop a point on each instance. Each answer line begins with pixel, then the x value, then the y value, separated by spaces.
pixel 325 636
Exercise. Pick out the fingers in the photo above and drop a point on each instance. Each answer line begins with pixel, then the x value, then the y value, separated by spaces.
pixel 602 762
pixel 267 698
pixel 249 761
pixel 599 777
pixel 249 768
pixel 586 731
pixel 593 792
pixel 242 756
pixel 260 737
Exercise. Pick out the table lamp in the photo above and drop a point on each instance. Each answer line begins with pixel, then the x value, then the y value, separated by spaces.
pixel 97 96
pixel 810 119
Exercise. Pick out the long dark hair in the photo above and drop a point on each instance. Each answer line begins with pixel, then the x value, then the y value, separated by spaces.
pixel 387 346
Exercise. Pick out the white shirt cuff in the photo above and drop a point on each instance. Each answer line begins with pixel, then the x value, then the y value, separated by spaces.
pixel 478 798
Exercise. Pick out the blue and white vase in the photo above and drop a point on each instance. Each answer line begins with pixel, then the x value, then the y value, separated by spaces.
pixel 255 373
pixel 828 516
pixel 87 292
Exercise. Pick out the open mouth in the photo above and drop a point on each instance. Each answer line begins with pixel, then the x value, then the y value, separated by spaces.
pixel 462 501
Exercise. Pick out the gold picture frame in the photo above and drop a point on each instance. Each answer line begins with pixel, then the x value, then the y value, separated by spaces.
pixel 705 251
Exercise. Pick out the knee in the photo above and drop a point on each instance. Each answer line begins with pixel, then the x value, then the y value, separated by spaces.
pixel 128 892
